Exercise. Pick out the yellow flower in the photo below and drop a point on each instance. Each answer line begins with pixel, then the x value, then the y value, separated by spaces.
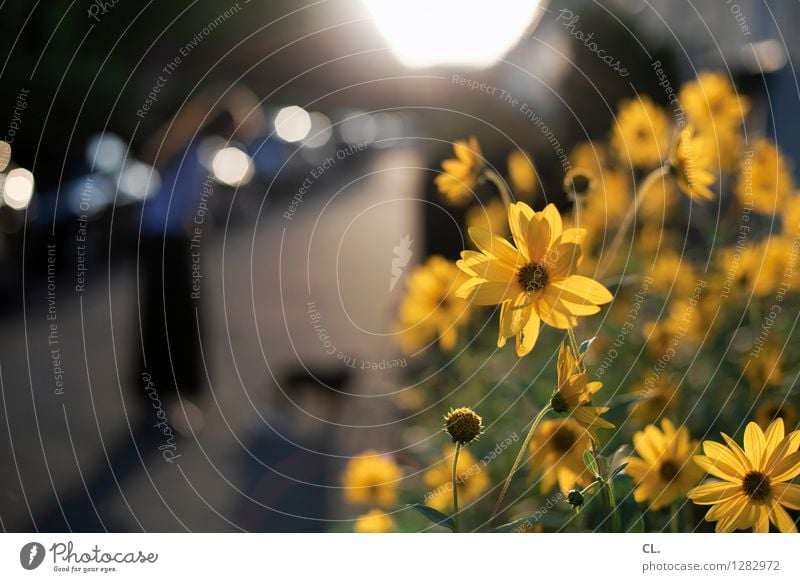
pixel 772 409
pixel 654 401
pixel 574 394
pixel 491 217
pixel 664 471
pixel 791 217
pixel 431 308
pixel 371 479
pixel 765 179
pixel 762 267
pixel 472 479
pixel 642 133
pixel 533 280
pixel 603 208
pixel 764 368
pixel 691 162
pixel 375 521
pixel 590 155
pixel 712 101
pixel 557 450
pixel 522 173
pixel 672 274
pixel 754 488
pixel 457 183
pixel 713 105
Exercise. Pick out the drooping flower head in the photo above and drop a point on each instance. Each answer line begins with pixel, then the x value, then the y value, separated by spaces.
pixel 574 394
pixel 690 163
pixel 754 488
pixel 457 183
pixel 532 280
pixel 663 472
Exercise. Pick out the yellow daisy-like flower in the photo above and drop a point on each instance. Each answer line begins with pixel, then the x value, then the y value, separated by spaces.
pixel 642 133
pixel 690 165
pixel 533 280
pixel 663 472
pixel 431 308
pixel 461 173
pixel 765 179
pixel 711 101
pixel 375 521
pixel 754 489
pixel 672 274
pixel 472 479
pixel 371 479
pixel 522 173
pixel 492 217
pixel 574 394
pixel 557 451
pixel 772 409
pixel 762 267
pixel 713 105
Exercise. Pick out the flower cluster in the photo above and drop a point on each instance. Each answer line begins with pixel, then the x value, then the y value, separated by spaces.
pixel 621 299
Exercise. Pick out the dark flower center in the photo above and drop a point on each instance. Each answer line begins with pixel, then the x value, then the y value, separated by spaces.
pixel 668 470
pixel 756 486
pixel 564 440
pixel 559 404
pixel 532 277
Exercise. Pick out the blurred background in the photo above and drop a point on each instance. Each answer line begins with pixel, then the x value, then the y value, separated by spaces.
pixel 208 210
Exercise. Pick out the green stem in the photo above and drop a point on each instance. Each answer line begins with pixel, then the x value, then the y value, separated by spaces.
pixel 612 505
pixel 519 458
pixel 455 488
pixel 633 210
pixel 674 515
pixel 500 184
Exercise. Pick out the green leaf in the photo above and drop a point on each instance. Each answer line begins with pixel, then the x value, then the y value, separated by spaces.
pixel 434 516
pixel 585 345
pixel 591 463
pixel 618 470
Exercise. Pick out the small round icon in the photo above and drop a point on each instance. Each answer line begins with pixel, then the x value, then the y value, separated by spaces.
pixel 31 555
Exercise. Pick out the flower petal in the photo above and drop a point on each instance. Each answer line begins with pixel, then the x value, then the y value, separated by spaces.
pixel 585 287
pixel 490 292
pixel 538 237
pixel 724 458
pixel 711 493
pixel 553 218
pixel 526 338
pixel 496 246
pixel 519 217
pixel 786 469
pixel 755 445
pixel 781 519
pixel 787 494
pixel 713 467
